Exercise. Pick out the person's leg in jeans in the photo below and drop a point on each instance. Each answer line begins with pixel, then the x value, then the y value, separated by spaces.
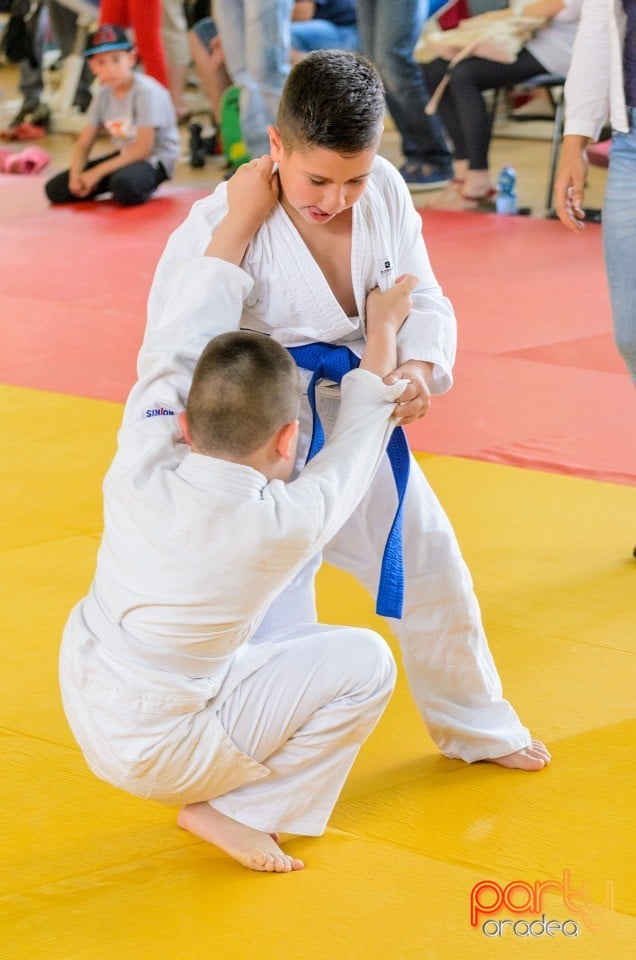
pixel 256 40
pixel 619 239
pixel 389 31
pixel 317 34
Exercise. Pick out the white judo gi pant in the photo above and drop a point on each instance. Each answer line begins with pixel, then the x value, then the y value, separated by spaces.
pixel 296 707
pixel 304 715
pixel 450 669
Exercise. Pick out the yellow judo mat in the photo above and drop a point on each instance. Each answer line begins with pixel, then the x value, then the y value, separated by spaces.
pixel 425 858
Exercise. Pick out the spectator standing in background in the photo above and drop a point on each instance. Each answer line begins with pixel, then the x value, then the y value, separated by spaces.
pixel 64 25
pixel 601 84
pixel 256 39
pixel 174 37
pixel 323 25
pixel 144 16
pixel 389 31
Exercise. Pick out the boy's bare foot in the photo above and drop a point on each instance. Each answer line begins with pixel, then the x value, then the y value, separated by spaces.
pixel 534 757
pixel 252 848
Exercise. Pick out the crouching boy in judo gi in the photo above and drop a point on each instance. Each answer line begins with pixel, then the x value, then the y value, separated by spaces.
pixel 344 223
pixel 163 691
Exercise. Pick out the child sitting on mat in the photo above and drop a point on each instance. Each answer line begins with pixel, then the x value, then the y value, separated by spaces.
pixel 163 690
pixel 344 223
pixel 139 116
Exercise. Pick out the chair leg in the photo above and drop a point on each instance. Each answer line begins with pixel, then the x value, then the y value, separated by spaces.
pixel 493 110
pixel 557 134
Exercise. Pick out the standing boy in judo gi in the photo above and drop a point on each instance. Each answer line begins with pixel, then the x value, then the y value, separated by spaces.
pixel 345 223
pixel 163 691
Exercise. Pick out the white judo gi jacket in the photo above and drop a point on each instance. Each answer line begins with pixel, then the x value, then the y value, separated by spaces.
pixel 450 669
pixel 291 299
pixel 194 551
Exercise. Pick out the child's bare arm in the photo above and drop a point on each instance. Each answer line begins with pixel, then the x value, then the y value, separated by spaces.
pixel 252 192
pixel 79 156
pixel 386 312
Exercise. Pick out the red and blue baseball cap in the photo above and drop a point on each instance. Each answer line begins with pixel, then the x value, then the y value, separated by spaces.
pixel 107 38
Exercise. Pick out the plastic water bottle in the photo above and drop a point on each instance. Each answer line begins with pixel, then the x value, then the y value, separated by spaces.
pixel 506 199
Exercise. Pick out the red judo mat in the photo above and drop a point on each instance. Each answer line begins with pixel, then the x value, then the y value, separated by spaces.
pixel 538 382
pixel 75 281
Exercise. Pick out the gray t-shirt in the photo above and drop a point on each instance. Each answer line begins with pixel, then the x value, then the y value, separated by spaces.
pixel 146 104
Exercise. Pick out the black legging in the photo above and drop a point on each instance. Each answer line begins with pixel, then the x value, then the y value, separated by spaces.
pixel 462 109
pixel 129 185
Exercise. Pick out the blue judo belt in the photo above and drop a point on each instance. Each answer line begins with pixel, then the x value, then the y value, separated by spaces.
pixel 330 362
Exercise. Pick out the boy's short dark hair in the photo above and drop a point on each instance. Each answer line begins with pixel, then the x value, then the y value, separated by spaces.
pixel 245 386
pixel 332 99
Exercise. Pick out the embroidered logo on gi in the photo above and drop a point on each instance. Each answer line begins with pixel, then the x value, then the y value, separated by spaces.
pixel 384 273
pixel 159 412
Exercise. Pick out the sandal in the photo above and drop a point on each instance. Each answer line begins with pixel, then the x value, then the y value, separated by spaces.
pixel 449 195
pixel 24 131
pixel 461 202
pixel 482 204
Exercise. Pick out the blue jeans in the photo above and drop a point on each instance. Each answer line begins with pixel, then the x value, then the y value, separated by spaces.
pixel 320 34
pixel 206 31
pixel 619 240
pixel 389 30
pixel 256 41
